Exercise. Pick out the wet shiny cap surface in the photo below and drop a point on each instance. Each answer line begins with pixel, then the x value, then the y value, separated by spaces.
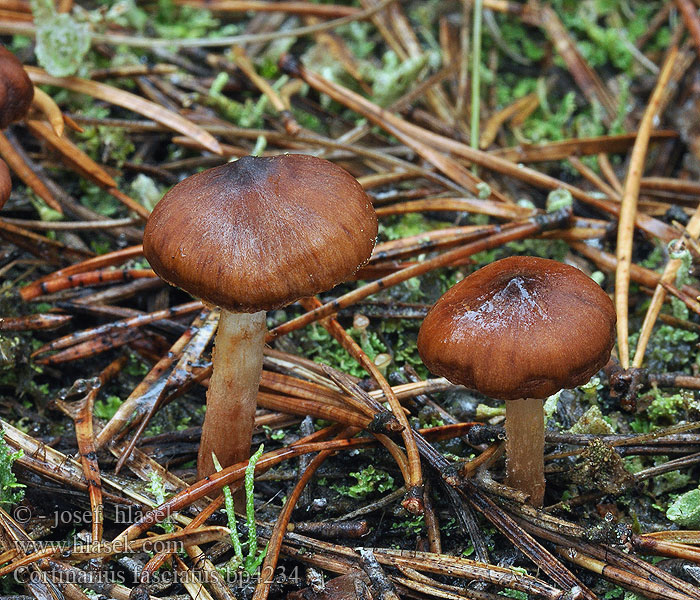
pixel 16 90
pixel 520 327
pixel 259 233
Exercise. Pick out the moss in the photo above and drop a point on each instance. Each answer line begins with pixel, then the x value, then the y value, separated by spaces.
pixel 592 421
pixel 667 408
pixel 685 510
pixel 369 480
pixel 601 468
pixel 106 409
pixel 11 492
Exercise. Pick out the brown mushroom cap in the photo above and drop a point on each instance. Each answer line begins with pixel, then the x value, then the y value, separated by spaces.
pixel 259 233
pixel 521 327
pixel 16 89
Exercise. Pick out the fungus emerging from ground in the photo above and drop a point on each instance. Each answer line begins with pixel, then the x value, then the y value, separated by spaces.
pixel 251 236
pixel 520 329
pixel 16 90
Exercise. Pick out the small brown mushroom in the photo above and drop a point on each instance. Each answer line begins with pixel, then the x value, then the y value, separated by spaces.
pixel 16 89
pixel 520 329
pixel 251 236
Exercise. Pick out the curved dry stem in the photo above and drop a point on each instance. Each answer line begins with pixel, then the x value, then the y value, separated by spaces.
pixel 525 447
pixel 45 104
pixel 628 208
pixel 233 387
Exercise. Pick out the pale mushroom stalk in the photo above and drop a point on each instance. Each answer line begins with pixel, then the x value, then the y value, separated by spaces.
pixel 525 447
pixel 233 387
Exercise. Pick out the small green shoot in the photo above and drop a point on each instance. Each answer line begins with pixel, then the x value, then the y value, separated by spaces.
pixel 368 480
pixel 157 488
pixel 251 562
pixel 558 199
pixel 107 408
pixel 11 492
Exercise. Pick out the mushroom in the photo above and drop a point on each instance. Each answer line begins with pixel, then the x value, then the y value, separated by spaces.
pixel 251 236
pixel 16 89
pixel 520 329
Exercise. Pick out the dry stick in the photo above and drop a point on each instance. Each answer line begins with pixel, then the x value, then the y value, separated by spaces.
pixel 44 103
pixel 33 322
pixel 300 388
pixel 81 413
pixel 70 225
pixel 668 184
pixel 432 522
pixel 657 300
pixel 414 484
pixel 593 177
pixel 299 8
pixel 554 151
pixel 94 278
pixel 628 210
pixel 525 229
pixel 71 154
pixel 629 580
pixel 391 123
pixel 137 321
pixel 650 545
pixel 22 170
pixel 356 396
pixel 51 251
pixel 689 13
pixel 473 205
pixel 320 410
pixel 337 558
pixel 37 288
pixel 130 101
pixel 607 170
pixel 678 537
pixel 106 342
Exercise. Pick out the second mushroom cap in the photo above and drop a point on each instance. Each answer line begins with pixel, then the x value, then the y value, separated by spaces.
pixel 521 327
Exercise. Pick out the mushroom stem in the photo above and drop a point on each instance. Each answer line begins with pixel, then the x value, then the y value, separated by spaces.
pixel 233 388
pixel 525 447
